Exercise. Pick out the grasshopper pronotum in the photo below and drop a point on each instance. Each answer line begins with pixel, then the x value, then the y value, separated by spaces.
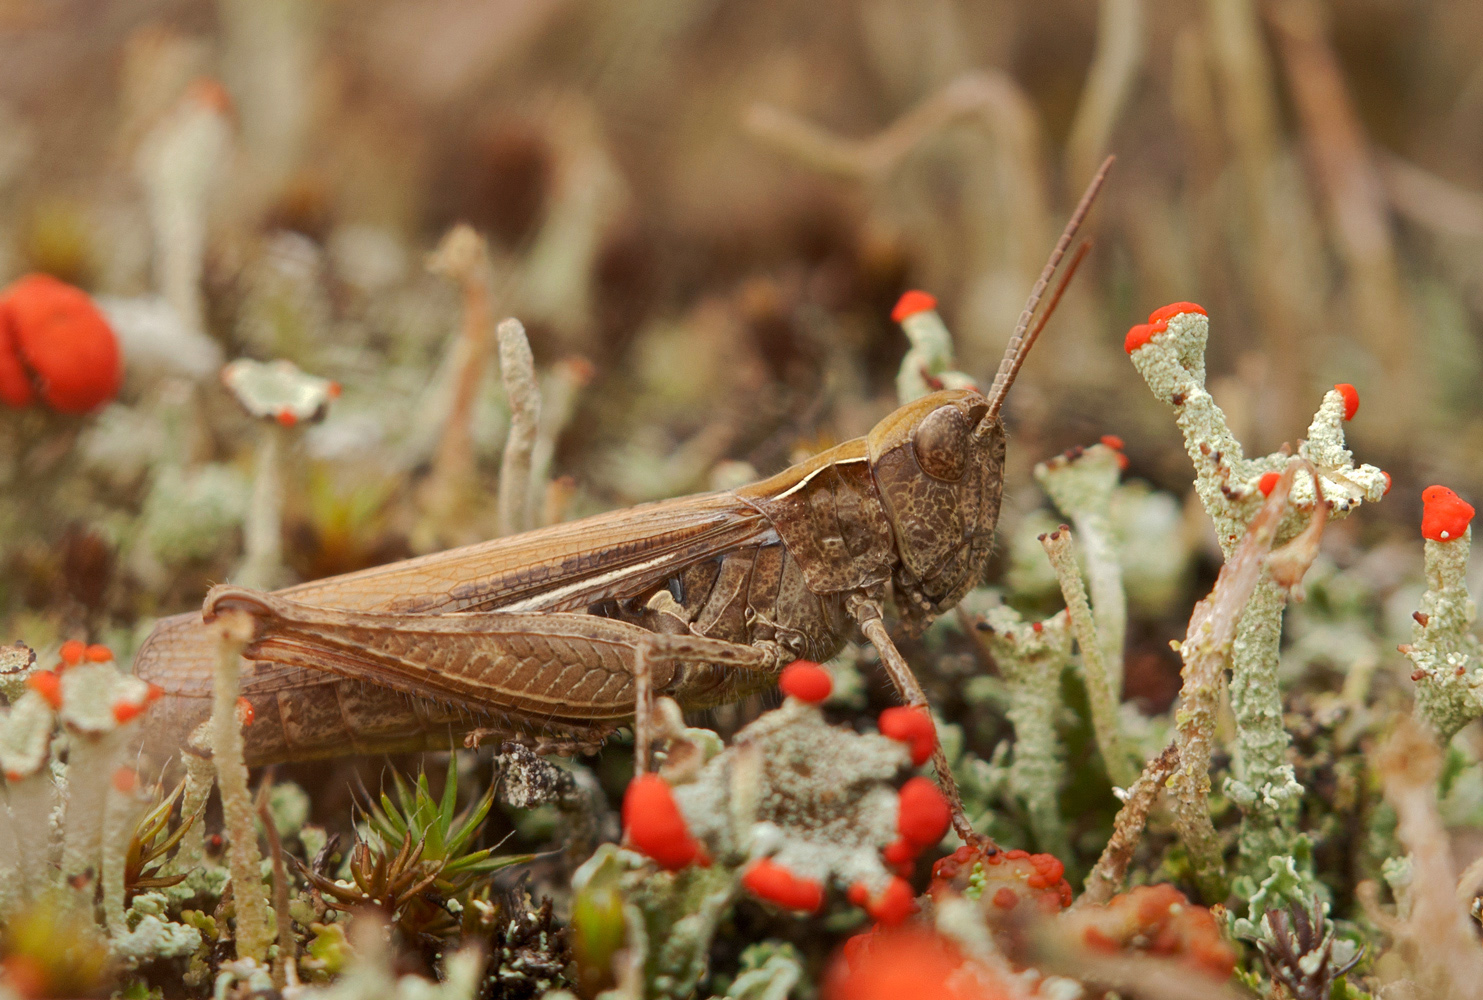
pixel 555 636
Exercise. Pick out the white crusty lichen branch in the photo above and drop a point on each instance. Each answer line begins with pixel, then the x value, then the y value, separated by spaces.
pixel 1169 352
pixel 1447 656
pixel 1030 658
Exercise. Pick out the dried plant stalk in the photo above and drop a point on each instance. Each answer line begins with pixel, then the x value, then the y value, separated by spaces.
pixel 1436 936
pixel 1106 876
pixel 254 932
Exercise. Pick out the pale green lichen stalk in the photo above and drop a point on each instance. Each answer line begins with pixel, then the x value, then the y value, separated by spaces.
pixel 1081 484
pixel 1172 362
pixel 1448 657
pixel 929 359
pixel 1031 660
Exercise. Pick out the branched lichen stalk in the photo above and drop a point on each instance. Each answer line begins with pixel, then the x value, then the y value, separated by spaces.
pixel 1103 703
pixel 254 931
pixel 1172 362
pixel 1031 658
pixel 1447 656
pixel 517 367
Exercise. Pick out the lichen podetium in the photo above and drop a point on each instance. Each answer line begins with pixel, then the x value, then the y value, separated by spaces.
pixel 1169 352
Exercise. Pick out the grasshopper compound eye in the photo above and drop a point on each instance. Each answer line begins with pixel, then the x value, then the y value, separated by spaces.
pixel 941 443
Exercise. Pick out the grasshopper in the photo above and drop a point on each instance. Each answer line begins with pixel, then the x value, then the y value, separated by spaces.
pixel 556 637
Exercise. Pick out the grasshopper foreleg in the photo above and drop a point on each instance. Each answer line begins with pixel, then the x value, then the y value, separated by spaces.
pixel 866 610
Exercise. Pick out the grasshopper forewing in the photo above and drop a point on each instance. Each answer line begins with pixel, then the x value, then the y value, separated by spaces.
pixel 556 636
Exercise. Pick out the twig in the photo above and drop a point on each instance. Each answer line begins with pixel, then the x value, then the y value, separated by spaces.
pixel 1106 877
pixel 1099 688
pixel 517 367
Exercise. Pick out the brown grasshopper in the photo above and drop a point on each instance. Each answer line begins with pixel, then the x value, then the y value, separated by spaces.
pixel 555 637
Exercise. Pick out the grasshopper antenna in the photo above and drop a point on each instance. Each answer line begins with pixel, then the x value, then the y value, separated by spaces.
pixel 1020 344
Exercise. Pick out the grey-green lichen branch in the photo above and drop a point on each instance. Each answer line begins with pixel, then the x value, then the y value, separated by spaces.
pixel 1447 655
pixel 1030 658
pixel 1172 362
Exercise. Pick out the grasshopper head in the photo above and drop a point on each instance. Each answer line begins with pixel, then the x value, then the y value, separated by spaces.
pixel 938 463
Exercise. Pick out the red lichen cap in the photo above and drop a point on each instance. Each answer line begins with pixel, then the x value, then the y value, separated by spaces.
pixel 1138 335
pixel 48 685
pixel 124 710
pixel 655 825
pixel 56 344
pixel 910 724
pixel 766 879
pixel 1168 312
pixel 97 653
pixel 1387 482
pixel 1445 515
pixel 922 813
pixel 72 652
pixel 1351 398
pixel 903 963
pixel 890 906
pixel 806 681
pixel 125 780
pixel 911 303
pixel 1112 441
pixel 1268 482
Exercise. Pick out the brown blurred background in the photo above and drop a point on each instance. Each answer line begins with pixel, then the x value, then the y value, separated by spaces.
pixel 717 204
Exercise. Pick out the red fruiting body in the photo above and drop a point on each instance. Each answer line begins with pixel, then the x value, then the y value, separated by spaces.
pixel 1037 627
pixel 1168 312
pixel 56 344
pixel 1387 482
pixel 1008 877
pixel 895 903
pixel 1138 335
pixel 901 855
pixel 334 389
pixel 922 815
pixel 123 711
pixel 1156 919
pixel 907 963
pixel 1112 441
pixel 125 780
pixel 912 303
pixel 287 418
pixel 48 685
pixel 153 693
pixel 1445 515
pixel 1268 482
pixel 655 825
pixel 766 879
pixel 97 653
pixel 806 681
pixel 1351 398
pixel 72 652
pixel 245 712
pixel 910 724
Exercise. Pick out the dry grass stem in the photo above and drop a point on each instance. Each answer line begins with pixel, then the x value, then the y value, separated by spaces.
pixel 1106 877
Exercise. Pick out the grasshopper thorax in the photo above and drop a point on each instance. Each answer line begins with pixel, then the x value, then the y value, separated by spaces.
pixel 938 465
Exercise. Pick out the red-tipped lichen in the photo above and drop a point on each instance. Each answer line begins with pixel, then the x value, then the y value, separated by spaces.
pixel 72 652
pixel 655 825
pixel 913 725
pixel 923 814
pixel 1268 483
pixel 890 906
pixel 1351 398
pixel 806 681
pixel 1445 515
pixel 55 344
pixel 766 879
pixel 48 685
pixel 908 962
pixel 911 303
pixel 1165 313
